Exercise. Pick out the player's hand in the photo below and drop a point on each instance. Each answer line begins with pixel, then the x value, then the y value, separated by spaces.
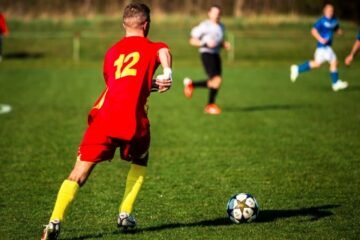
pixel 227 45
pixel 323 40
pixel 349 59
pixel 163 84
pixel 211 43
pixel 160 85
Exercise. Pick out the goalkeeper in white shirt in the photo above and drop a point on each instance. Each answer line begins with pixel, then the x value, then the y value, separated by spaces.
pixel 208 36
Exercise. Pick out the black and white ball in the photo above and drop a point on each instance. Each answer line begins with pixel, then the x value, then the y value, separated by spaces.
pixel 242 208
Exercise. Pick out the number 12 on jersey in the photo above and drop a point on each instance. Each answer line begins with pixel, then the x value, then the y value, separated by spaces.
pixel 125 65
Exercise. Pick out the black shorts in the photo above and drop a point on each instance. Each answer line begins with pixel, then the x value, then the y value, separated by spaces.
pixel 212 64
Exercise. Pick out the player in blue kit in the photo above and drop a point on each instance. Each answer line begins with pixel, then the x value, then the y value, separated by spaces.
pixel 323 31
pixel 354 50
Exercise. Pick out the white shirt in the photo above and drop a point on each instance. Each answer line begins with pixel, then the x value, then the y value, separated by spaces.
pixel 208 30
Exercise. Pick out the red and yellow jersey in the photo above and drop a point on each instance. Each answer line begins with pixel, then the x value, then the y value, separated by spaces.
pixel 129 67
pixel 3 26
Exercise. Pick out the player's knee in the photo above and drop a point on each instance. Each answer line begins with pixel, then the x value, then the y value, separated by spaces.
pixel 79 175
pixel 215 82
pixel 314 64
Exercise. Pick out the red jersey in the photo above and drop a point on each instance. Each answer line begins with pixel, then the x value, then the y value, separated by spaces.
pixel 3 26
pixel 129 67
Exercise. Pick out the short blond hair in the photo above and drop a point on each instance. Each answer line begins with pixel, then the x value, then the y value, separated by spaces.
pixel 136 15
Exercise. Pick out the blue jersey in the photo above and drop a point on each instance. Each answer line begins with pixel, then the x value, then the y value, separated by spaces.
pixel 358 37
pixel 326 28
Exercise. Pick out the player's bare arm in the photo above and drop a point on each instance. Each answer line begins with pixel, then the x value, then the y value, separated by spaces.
pixel 195 42
pixel 317 36
pixel 354 51
pixel 163 82
pixel 165 58
pixel 200 43
pixel 226 45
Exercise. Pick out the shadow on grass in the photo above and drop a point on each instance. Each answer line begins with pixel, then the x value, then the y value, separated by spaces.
pixel 313 213
pixel 270 107
pixel 24 55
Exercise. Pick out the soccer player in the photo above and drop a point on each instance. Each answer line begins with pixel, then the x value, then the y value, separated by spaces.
pixel 354 50
pixel 323 31
pixel 208 36
pixel 119 116
pixel 4 31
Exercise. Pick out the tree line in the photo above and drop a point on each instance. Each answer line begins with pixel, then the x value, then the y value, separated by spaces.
pixel 348 9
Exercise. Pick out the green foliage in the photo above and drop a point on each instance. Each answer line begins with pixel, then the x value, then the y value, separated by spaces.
pixel 294 146
pixel 90 8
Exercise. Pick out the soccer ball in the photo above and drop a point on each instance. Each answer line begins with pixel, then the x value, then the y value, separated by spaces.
pixel 242 208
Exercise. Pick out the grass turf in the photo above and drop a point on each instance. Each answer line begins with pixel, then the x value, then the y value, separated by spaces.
pixel 294 146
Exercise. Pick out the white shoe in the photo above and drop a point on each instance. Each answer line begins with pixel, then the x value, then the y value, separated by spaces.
pixel 126 221
pixel 294 72
pixel 339 85
pixel 187 81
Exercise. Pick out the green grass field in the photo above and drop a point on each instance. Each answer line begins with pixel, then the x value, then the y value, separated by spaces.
pixel 296 147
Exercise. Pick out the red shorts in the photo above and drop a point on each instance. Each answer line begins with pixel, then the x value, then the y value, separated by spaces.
pixel 97 147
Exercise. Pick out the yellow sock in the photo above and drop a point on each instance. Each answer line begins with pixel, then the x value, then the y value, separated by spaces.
pixel 134 182
pixel 65 196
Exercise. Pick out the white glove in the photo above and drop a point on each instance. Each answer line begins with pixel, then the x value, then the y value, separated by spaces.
pixel 167 75
pixel 164 80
